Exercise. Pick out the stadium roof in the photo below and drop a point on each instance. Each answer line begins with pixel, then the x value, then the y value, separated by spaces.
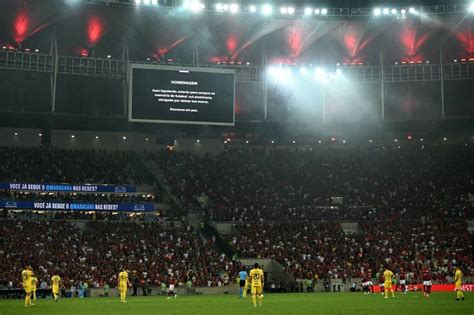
pixel 100 30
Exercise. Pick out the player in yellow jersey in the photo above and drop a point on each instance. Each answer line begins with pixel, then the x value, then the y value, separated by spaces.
pixel 123 285
pixel 55 282
pixel 34 283
pixel 257 280
pixel 458 284
pixel 388 275
pixel 26 275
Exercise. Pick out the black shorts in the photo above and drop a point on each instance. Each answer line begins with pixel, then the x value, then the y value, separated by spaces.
pixel 242 283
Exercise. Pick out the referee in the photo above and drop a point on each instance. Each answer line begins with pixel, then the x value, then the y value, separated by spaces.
pixel 243 283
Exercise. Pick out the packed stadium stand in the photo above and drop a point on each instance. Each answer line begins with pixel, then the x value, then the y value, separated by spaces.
pixel 284 203
pixel 94 255
pixel 375 182
pixel 49 164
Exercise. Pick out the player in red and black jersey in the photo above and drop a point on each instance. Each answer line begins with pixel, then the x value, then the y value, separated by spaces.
pixel 382 283
pixel 365 283
pixel 172 282
pixel 403 278
pixel 370 283
pixel 426 277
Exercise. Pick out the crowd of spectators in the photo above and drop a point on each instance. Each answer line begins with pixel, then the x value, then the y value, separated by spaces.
pixel 96 255
pixel 323 248
pixel 412 203
pixel 141 217
pixel 302 248
pixel 278 185
pixel 54 165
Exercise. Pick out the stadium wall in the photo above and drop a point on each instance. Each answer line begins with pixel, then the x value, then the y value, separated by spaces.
pixel 106 140
pixel 226 228
pixel 204 146
pixel 470 226
pixel 81 140
pixel 351 227
pixel 19 137
pixel 229 289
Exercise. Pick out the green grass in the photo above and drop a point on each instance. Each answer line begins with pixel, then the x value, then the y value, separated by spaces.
pixel 318 303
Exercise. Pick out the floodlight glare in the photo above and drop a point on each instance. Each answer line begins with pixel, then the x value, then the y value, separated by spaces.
pixel 377 11
pixel 324 11
pixel 267 9
pixel 412 10
pixel 146 2
pixel 219 7
pixel 394 11
pixel 471 7
pixel 291 10
pixel 196 6
pixel 317 11
pixel 138 2
pixel 320 74
pixel 234 8
pixel 225 7
pixel 403 11
pixel 308 11
pixel 154 2
pixel 252 8
pixel 283 10
pixel 386 11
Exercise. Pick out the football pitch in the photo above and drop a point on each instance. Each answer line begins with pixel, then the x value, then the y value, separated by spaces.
pixel 319 303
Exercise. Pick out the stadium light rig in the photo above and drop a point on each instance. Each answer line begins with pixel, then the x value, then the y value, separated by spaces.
pixel 147 2
pixel 397 12
pixel 267 9
pixel 287 10
pixel 193 5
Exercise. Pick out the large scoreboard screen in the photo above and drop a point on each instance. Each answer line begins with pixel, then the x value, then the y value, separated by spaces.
pixel 181 95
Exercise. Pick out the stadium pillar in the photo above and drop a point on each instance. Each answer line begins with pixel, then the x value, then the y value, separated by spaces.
pixel 323 96
pixel 125 82
pixel 441 75
pixel 54 76
pixel 382 86
pixel 196 55
pixel 265 82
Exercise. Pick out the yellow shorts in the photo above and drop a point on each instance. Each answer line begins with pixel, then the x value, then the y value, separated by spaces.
pixel 27 289
pixel 123 287
pixel 458 285
pixel 387 285
pixel 257 289
pixel 55 290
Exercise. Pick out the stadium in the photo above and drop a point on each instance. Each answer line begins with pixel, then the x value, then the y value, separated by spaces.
pixel 236 157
